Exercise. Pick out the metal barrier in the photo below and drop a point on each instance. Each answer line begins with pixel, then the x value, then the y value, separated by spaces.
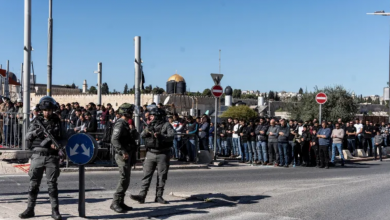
pixel 11 129
pixel 11 134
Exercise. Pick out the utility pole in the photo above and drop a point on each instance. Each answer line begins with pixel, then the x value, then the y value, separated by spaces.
pixel 219 61
pixel 26 68
pixel 6 84
pixel 137 80
pixel 21 81
pixel 49 50
pixel 99 82
pixel 1 82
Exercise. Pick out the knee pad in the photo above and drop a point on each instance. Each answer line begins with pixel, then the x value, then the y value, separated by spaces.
pixel 33 189
pixel 53 192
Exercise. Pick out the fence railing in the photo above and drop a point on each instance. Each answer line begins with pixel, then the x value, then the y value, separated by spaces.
pixel 11 135
pixel 11 130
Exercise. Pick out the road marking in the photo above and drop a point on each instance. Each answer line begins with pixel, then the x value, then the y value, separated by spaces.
pixel 19 175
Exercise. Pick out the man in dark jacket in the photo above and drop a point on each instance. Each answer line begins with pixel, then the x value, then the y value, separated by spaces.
pixel 223 135
pixel 323 141
pixel 192 150
pixel 91 123
pixel 261 147
pixel 158 141
pixel 123 141
pixel 273 133
pixel 367 142
pixel 243 133
pixel 204 134
pixel 305 145
pixel 252 142
pixel 229 136
pixel 284 133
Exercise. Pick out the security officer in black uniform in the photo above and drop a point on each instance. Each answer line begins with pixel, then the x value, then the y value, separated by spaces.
pixel 45 157
pixel 123 140
pixel 158 136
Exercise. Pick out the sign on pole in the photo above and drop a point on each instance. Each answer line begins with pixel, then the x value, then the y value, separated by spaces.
pixel 216 78
pixel 321 98
pixel 81 149
pixel 217 91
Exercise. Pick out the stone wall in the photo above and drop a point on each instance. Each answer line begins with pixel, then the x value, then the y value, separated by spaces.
pixel 182 103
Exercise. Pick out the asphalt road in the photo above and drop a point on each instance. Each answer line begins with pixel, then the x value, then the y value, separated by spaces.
pixel 357 191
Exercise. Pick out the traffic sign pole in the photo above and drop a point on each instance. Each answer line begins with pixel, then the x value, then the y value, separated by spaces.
pixel 217 92
pixel 81 149
pixel 215 129
pixel 321 98
pixel 320 115
pixel 81 191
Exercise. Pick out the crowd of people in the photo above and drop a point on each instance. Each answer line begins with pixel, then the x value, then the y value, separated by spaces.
pixel 266 141
pixel 281 143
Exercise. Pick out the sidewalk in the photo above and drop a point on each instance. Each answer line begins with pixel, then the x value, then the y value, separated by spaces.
pixel 14 168
pixel 98 206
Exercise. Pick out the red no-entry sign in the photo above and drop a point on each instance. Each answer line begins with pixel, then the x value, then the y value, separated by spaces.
pixel 321 98
pixel 217 91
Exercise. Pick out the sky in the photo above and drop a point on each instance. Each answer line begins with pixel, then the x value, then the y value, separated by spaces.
pixel 279 45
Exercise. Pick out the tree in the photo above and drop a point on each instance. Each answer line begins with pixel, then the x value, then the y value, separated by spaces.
pixel 148 89
pixel 340 104
pixel 271 95
pixel 241 111
pixel 249 96
pixel 105 89
pixel 206 92
pixel 369 100
pixel 126 89
pixel 158 90
pixel 300 91
pixel 277 98
pixel 92 90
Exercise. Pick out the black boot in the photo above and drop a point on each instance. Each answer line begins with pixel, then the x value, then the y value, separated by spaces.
pixel 160 200
pixel 55 214
pixel 138 198
pixel 28 213
pixel 116 207
pixel 159 194
pixel 124 206
pixel 53 194
pixel 32 198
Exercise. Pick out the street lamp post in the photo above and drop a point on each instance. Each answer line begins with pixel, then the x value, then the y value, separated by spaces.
pixel 383 13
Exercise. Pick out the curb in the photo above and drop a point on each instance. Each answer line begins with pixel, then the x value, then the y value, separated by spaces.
pixel 97 169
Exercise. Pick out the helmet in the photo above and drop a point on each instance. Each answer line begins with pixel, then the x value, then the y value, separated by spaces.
pixel 47 103
pixel 153 110
pixel 126 108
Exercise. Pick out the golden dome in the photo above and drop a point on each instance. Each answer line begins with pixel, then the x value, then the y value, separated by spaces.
pixel 176 77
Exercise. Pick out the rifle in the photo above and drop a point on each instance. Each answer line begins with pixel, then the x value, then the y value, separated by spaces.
pixel 48 134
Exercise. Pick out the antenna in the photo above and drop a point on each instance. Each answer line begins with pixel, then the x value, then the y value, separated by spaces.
pixel 220 61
